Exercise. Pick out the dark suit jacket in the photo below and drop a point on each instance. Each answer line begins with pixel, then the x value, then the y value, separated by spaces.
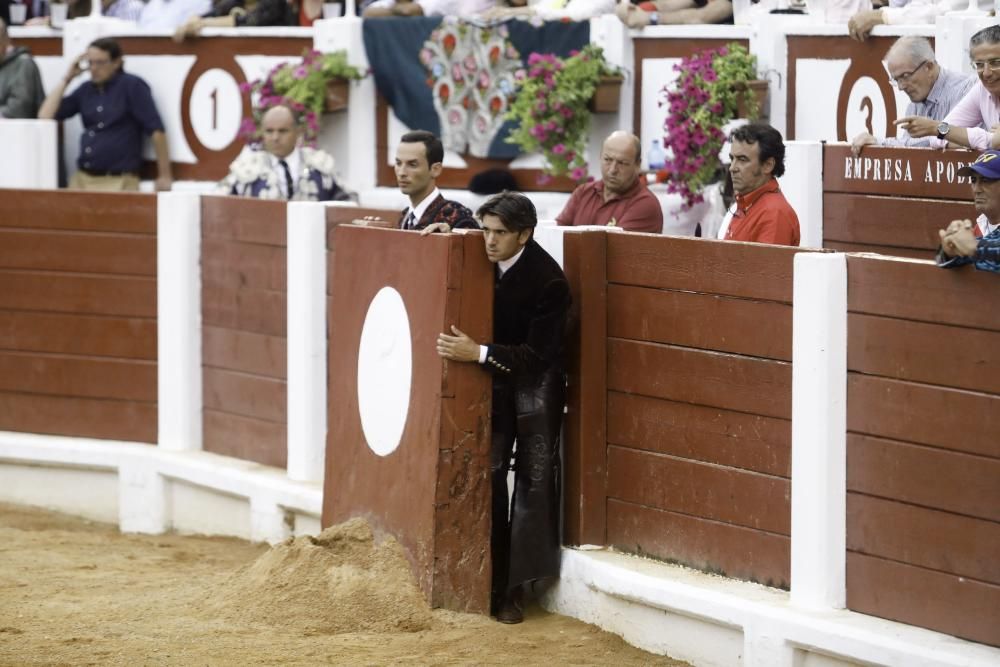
pixel 444 210
pixel 530 306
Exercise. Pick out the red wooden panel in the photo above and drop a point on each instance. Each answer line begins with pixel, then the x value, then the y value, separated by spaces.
pixel 226 263
pixel 890 221
pixel 73 210
pixel 902 172
pixel 245 438
pixel 256 311
pixel 930 353
pixel 708 322
pixel 952 419
pixel 707 545
pixel 936 600
pixel 86 252
pixel 922 291
pixel 91 295
pixel 715 267
pixel 247 395
pixel 78 334
pixel 746 384
pixel 78 417
pixel 257 354
pixel 95 377
pixel 723 437
pixel 244 219
pixel 925 476
pixel 699 489
pixel 338 215
pixel 928 538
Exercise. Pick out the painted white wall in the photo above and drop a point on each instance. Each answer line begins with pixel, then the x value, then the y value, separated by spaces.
pixel 34 144
pixel 802 186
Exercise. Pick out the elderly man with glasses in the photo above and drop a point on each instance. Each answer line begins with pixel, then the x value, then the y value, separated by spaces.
pixel 965 242
pixel 933 90
pixel 979 109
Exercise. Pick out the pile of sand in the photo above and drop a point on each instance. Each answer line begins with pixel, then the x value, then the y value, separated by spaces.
pixel 340 581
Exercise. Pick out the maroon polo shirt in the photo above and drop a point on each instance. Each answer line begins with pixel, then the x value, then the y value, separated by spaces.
pixel 636 210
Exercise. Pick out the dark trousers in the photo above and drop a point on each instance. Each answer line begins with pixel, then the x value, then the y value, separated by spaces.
pixel 525 534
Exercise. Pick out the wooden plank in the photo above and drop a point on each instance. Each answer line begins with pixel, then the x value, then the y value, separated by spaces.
pixel 131 338
pixel 934 478
pixel 585 448
pixel 255 311
pixel 244 219
pixel 226 263
pixel 73 210
pixel 244 351
pixel 59 375
pixel 92 295
pixel 47 250
pixel 722 437
pixel 887 251
pixel 245 438
pixel 339 215
pixel 728 268
pixel 952 419
pixel 931 353
pixel 706 545
pixel 700 489
pixel 923 292
pixel 246 395
pixel 78 417
pixel 745 384
pixel 890 221
pixel 704 321
pixel 896 171
pixel 924 537
pixel 935 600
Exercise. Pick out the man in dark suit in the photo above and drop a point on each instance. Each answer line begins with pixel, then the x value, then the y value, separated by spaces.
pixel 531 302
pixel 419 161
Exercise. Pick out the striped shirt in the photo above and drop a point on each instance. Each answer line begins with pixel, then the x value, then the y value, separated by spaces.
pixel 127 10
pixel 944 95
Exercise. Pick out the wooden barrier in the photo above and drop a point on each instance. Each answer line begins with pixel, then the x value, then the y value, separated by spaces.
pixel 430 487
pixel 923 458
pixel 696 349
pixel 892 201
pixel 244 356
pixel 78 314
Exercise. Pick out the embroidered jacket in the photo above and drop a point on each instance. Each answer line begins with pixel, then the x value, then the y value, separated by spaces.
pixel 443 210
pixel 252 175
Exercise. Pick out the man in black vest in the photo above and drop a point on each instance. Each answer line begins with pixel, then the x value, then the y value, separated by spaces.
pixel 531 302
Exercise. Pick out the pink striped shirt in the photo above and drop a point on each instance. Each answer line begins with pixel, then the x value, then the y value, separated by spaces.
pixel 978 106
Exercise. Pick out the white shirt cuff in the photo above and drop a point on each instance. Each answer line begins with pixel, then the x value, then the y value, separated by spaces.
pixel 482 354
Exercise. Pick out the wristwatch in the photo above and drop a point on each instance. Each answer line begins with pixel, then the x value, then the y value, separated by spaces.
pixel 943 129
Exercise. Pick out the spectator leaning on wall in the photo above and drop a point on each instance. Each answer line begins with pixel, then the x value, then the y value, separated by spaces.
pixel 960 242
pixel 906 12
pixel 674 12
pixel 932 90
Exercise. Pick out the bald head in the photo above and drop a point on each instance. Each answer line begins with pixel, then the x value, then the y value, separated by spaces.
pixel 620 159
pixel 621 140
pixel 281 131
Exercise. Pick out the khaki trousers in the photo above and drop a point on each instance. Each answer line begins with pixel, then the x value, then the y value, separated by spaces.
pixel 122 183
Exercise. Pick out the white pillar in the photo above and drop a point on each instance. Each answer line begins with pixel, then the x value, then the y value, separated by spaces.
pixel 306 341
pixel 802 185
pixel 31 144
pixel 819 425
pixel 178 293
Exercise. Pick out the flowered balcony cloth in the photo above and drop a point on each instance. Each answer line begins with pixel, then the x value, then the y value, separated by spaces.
pixel 454 77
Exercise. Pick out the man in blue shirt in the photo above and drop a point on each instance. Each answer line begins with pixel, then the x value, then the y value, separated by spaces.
pixel 117 110
pixel 967 242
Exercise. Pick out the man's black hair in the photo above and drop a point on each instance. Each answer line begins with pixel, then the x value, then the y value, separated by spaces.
pixel 515 211
pixel 109 46
pixel 769 141
pixel 988 35
pixel 433 145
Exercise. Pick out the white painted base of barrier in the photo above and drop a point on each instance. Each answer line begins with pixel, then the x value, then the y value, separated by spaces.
pixel 146 489
pixel 710 620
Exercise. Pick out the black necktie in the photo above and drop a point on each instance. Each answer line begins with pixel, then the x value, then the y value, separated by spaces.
pixel 288 178
pixel 411 221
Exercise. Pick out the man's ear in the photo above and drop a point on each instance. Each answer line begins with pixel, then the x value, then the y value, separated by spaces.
pixel 768 166
pixel 524 236
pixel 436 169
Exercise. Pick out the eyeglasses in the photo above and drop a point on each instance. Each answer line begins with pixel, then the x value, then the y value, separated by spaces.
pixel 992 64
pixel 96 63
pixel 905 76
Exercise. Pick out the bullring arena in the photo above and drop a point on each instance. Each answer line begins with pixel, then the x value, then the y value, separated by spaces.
pixel 773 456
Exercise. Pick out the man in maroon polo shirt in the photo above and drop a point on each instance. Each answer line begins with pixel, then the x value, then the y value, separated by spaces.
pixel 620 198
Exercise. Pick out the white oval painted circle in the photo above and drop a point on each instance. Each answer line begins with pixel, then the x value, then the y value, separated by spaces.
pixel 385 369
pixel 216 109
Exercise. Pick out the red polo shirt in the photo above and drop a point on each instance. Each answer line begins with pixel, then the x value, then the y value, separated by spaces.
pixel 635 210
pixel 764 216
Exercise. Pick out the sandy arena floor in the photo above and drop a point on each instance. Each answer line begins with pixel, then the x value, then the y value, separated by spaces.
pixel 74 592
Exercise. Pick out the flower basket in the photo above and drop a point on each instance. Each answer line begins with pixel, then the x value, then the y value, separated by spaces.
pixel 338 93
pixel 758 89
pixel 606 95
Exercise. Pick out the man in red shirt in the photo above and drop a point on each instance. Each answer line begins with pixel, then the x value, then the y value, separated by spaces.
pixel 761 213
pixel 620 198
